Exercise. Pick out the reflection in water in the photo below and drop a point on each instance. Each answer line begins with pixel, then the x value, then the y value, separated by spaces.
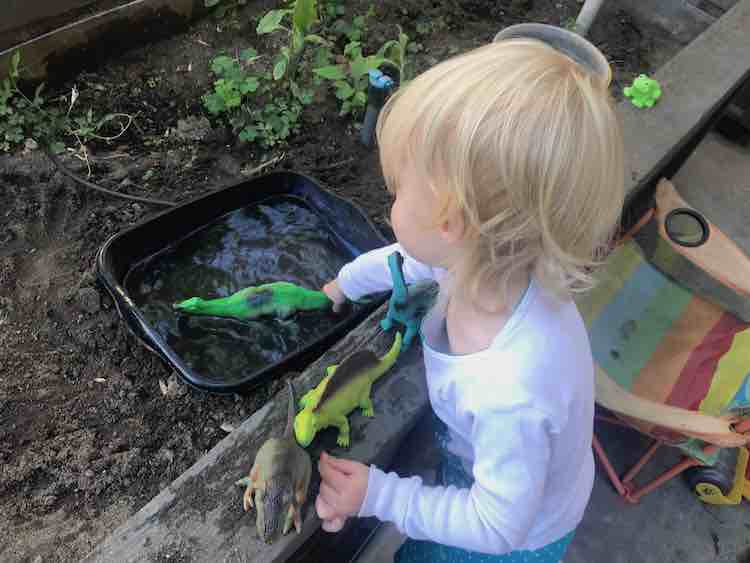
pixel 279 240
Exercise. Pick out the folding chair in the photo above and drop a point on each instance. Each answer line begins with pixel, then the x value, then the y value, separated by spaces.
pixel 670 363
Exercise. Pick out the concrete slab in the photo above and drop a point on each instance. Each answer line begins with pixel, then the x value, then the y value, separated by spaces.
pixel 681 19
pixel 696 83
pixel 199 517
pixel 669 525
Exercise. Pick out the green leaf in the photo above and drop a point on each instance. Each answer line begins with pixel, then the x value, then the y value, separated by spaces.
pixel 248 55
pixel 306 96
pixel 360 67
pixel 211 3
pixel 344 90
pixel 279 68
pixel 271 21
pixel 57 147
pixel 345 108
pixel 248 134
pixel 360 99
pixel 222 65
pixel 383 51
pixel 316 39
pixel 333 72
pixel 15 60
pixel 353 49
pixel 229 92
pixel 298 41
pixel 305 15
pixel 322 57
pixel 250 84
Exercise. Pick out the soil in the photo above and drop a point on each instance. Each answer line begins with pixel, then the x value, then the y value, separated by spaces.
pixel 87 435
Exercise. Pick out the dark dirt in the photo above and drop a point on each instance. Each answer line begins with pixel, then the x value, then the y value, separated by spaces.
pixel 87 436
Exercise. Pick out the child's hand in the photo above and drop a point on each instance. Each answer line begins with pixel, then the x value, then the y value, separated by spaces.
pixel 343 487
pixel 334 293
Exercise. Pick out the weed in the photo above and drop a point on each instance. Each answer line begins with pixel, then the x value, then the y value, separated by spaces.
pixel 23 117
pixel 350 78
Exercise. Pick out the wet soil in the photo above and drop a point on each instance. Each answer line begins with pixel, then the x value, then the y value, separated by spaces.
pixel 92 425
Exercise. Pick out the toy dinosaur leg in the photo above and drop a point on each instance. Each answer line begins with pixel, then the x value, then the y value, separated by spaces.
pixel 300 491
pixel 411 332
pixel 342 423
pixel 288 519
pixel 247 498
pixel 366 405
pixel 251 482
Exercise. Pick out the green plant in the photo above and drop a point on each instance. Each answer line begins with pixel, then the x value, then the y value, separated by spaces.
pixel 23 117
pixel 350 78
pixel 235 81
pixel 303 17
pixel 258 107
pixel 264 104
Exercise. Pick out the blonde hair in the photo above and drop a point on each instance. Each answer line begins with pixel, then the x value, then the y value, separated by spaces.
pixel 524 144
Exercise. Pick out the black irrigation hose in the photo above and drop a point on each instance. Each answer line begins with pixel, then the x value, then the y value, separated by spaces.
pixel 76 178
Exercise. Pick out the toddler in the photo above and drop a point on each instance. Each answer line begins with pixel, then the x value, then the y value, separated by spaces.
pixel 506 168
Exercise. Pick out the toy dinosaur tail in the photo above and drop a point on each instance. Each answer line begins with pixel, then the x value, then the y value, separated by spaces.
pixel 389 359
pixel 291 411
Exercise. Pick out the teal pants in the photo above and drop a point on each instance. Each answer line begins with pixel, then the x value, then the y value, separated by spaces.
pixel 453 473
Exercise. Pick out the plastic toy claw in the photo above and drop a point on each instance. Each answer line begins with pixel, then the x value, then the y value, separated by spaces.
pixel 401 310
pixel 644 92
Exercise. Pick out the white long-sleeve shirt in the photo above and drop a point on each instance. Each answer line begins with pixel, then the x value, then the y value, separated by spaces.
pixel 520 415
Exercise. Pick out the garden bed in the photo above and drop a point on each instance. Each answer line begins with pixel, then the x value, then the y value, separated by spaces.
pixel 92 425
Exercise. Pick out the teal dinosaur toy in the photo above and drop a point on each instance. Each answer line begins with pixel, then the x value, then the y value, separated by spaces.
pixel 404 310
pixel 345 387
pixel 280 299
pixel 644 92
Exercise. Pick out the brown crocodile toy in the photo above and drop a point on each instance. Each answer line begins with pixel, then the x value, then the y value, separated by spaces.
pixel 278 480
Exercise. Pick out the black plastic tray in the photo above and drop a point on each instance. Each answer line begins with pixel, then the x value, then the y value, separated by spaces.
pixel 125 250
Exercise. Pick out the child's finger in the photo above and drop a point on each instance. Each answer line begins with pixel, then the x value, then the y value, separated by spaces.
pixel 329 496
pixel 324 510
pixel 332 476
pixel 334 525
pixel 346 466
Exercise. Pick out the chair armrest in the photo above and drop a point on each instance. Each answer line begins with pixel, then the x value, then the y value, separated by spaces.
pixel 719 256
pixel 714 430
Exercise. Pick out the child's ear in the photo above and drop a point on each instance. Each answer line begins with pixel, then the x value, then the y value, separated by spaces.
pixel 453 228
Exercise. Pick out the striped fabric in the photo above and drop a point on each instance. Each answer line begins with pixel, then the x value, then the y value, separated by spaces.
pixel 664 343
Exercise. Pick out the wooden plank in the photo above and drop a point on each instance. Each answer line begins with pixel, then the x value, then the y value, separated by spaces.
pixel 199 517
pixel 93 37
pixel 19 13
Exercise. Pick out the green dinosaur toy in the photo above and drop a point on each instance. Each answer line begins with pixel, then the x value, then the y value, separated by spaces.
pixel 279 480
pixel 334 398
pixel 644 92
pixel 280 299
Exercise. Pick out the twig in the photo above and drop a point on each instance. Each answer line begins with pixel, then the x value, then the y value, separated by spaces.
pixel 76 178
pixel 275 160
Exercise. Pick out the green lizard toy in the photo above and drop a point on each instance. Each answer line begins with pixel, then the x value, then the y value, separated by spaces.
pixel 334 398
pixel 279 478
pixel 280 299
